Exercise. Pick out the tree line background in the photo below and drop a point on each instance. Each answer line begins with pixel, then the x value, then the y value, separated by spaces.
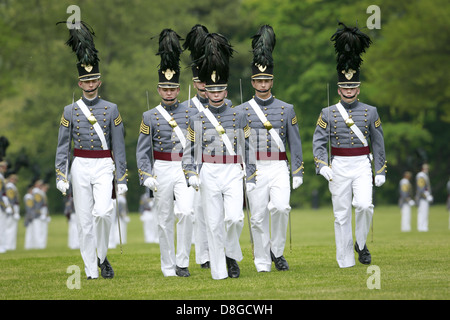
pixel 404 73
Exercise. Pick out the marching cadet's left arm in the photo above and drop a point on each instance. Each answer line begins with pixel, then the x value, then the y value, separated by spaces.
pixel 249 152
pixel 63 147
pixel 377 143
pixel 188 161
pixel 118 146
pixel 295 144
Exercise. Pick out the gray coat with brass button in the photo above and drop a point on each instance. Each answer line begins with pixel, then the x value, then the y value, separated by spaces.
pixel 75 126
pixel 331 126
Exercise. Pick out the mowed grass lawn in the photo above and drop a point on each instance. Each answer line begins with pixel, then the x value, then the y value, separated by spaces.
pixel 411 266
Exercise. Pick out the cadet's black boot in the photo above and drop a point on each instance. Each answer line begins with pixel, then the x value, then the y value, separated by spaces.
pixel 233 268
pixel 106 269
pixel 182 272
pixel 363 255
pixel 280 262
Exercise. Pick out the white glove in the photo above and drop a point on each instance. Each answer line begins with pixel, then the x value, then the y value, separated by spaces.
pixel 327 173
pixel 411 202
pixel 430 198
pixel 151 183
pixel 250 186
pixel 62 186
pixel 297 182
pixel 122 188
pixel 379 180
pixel 194 181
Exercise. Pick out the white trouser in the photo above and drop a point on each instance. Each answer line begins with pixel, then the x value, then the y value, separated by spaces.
pixel 269 206
pixel 200 237
pixel 352 177
pixel 150 225
pixel 92 183
pixel 222 198
pixel 172 183
pixel 422 215
pixel 406 217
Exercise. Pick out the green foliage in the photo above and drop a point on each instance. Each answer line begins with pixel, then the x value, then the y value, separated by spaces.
pixel 405 73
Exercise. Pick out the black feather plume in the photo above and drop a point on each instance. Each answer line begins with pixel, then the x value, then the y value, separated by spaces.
pixel 194 40
pixel 169 50
pixel 217 53
pixel 81 41
pixel 263 43
pixel 349 44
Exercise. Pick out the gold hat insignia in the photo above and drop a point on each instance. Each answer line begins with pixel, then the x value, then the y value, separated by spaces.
pixel 88 68
pixel 168 74
pixel 261 68
pixel 349 74
pixel 214 76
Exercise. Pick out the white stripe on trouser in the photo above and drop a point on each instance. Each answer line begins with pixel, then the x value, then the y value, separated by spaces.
pixel 269 207
pixel 92 190
pixel 222 198
pixel 422 215
pixel 172 182
pixel 352 177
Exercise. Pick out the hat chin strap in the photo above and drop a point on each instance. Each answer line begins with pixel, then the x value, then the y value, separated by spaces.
pixel 170 100
pixel 347 97
pixel 217 101
pixel 263 91
pixel 92 90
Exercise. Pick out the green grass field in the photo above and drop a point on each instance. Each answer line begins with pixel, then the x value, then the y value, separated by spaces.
pixel 411 266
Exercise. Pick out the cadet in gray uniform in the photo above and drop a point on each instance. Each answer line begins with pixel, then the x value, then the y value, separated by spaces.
pixel 274 126
pixel 159 152
pixel 193 43
pixel 424 197
pixel 405 201
pixel 97 131
pixel 347 126
pixel 216 150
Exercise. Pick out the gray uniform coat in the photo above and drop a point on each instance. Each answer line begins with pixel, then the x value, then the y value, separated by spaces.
pixel 331 127
pixel 75 126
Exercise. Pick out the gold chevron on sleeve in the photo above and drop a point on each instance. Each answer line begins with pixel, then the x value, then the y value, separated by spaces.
pixel 191 134
pixel 294 120
pixel 64 122
pixel 378 123
pixel 321 123
pixel 246 131
pixel 118 120
pixel 145 129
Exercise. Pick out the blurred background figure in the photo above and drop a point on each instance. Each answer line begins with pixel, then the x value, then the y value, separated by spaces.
pixel 114 236
pixel 148 218
pixel 406 201
pixel 423 198
pixel 73 241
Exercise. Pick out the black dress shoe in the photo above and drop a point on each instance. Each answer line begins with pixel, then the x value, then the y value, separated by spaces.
pixel 363 255
pixel 280 262
pixel 233 268
pixel 182 272
pixel 205 265
pixel 105 268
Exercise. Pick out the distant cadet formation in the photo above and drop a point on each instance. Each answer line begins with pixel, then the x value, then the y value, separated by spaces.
pixel 203 160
